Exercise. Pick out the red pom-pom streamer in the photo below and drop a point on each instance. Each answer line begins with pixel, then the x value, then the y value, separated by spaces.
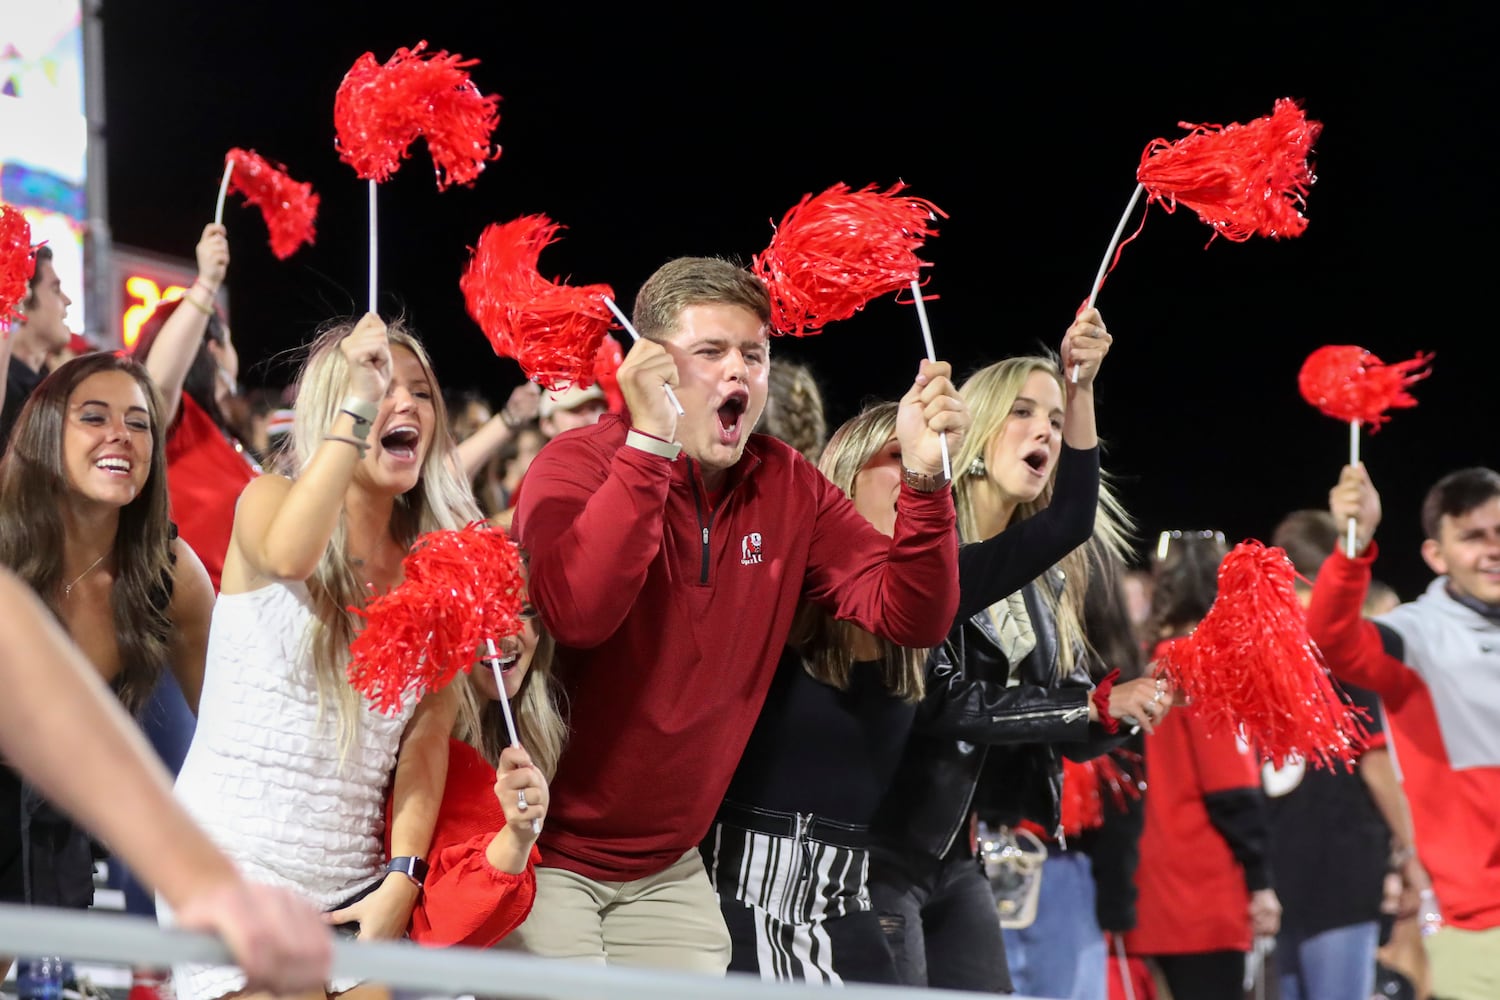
pixel 1243 180
pixel 1350 384
pixel 380 110
pixel 1251 665
pixel 553 331
pixel 289 207
pixel 17 261
pixel 607 364
pixel 1092 785
pixel 460 588
pixel 836 251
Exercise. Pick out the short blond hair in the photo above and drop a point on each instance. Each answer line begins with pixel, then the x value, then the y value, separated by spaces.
pixel 696 281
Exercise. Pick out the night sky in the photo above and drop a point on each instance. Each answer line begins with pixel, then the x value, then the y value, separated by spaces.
pixel 651 136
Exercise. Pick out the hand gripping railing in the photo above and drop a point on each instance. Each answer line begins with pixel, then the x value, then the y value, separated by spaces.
pixel 453 971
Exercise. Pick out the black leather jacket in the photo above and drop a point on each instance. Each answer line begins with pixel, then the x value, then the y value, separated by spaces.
pixel 970 722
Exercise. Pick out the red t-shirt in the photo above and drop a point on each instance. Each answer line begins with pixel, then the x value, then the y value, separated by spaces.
pixel 1192 891
pixel 465 901
pixel 205 476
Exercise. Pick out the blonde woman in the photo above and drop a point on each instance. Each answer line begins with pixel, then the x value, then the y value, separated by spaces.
pixel 1013 671
pixel 288 769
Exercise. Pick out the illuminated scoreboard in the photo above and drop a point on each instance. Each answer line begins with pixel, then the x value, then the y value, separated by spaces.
pixel 143 281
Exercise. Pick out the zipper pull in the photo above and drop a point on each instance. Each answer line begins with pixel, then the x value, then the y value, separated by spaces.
pixel 705 537
pixel 1061 838
pixel 1076 714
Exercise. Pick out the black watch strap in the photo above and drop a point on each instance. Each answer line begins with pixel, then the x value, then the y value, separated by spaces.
pixel 413 868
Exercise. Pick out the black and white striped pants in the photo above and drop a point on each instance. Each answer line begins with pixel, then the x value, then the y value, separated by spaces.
pixel 796 904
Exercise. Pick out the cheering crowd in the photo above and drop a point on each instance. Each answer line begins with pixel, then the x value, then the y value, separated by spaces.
pixel 809 710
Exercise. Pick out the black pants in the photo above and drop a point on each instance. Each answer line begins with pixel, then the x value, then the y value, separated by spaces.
pixel 940 920
pixel 1204 975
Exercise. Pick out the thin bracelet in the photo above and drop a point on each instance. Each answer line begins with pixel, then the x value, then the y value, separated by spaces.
pixel 363 446
pixel 205 310
pixel 510 419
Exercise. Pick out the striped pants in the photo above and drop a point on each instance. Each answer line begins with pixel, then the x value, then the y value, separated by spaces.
pixel 797 908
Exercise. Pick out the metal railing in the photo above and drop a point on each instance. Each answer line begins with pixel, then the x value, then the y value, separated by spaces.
pixel 451 971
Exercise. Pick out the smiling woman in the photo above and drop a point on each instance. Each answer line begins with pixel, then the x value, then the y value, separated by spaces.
pixel 83 521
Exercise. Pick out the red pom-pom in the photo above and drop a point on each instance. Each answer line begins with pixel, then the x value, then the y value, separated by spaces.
pixel 17 261
pixel 1252 666
pixel 553 331
pixel 289 207
pixel 380 110
pixel 1349 383
pixel 1243 180
pixel 1092 785
pixel 606 372
pixel 838 250
pixel 460 588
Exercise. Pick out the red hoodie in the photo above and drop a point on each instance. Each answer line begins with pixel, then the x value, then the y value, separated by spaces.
pixel 670 616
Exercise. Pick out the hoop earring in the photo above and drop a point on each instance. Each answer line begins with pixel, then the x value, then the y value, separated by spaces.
pixel 976 467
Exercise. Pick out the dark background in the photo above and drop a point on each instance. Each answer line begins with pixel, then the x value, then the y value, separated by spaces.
pixel 653 134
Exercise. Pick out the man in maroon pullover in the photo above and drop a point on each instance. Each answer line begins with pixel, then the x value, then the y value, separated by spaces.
pixel 669 554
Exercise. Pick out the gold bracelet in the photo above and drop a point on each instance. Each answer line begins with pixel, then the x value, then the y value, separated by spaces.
pixel 205 310
pixel 363 446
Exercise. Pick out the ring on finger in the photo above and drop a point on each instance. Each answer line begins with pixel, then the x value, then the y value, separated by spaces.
pixel 521 802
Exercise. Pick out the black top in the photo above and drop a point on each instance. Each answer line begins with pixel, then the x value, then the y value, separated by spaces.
pixel 816 749
pixel 1329 843
pixel 834 753
pixel 19 383
pixel 997 567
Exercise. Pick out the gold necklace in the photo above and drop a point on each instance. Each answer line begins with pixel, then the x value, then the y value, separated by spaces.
pixel 68 587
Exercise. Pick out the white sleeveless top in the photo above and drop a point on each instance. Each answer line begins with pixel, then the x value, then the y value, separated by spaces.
pixel 263 774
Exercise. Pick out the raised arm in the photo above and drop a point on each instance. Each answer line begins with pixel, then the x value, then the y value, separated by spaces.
pixel 591 528
pixel 107 777
pixel 1357 650
pixel 997 567
pixel 282 527
pixel 478 448
pixel 905 588
pixel 181 334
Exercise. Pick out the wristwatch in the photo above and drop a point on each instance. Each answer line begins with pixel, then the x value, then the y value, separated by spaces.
pixel 413 868
pixel 923 482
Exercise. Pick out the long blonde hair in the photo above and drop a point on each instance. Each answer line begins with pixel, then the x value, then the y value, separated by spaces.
pixel 991 393
pixel 537 710
pixel 826 643
pixel 440 500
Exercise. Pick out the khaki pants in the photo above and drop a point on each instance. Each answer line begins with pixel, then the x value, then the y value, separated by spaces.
pixel 670 920
pixel 1465 964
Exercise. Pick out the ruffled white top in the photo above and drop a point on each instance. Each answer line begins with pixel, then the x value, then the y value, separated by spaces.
pixel 264 774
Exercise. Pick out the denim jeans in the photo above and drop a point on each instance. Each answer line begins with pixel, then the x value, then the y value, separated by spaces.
pixel 1062 953
pixel 1337 964
pixel 940 920
pixel 168 724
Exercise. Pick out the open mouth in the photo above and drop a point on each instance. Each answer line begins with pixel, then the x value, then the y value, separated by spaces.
pixel 401 442
pixel 114 466
pixel 1037 462
pixel 731 417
